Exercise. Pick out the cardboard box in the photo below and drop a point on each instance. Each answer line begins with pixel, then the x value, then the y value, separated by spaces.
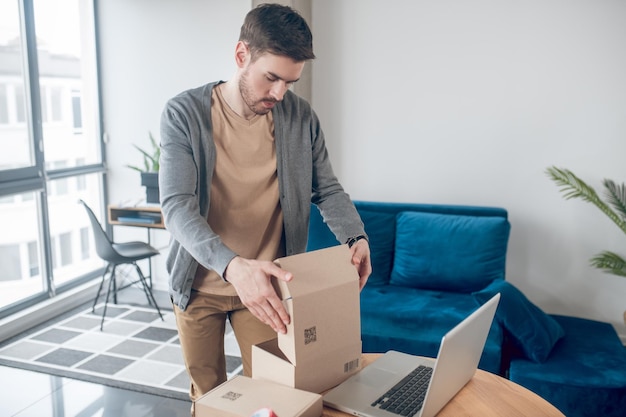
pixel 322 346
pixel 241 396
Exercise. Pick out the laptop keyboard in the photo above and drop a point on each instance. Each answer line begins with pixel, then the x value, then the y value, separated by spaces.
pixel 407 396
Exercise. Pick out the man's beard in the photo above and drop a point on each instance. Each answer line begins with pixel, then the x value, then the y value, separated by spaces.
pixel 254 104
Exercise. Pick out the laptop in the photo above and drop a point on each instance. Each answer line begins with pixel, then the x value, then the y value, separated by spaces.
pixel 368 392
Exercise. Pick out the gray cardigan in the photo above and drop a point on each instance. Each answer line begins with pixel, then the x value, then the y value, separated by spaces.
pixel 305 176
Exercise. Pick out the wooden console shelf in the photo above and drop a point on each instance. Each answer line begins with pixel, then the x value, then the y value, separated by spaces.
pixel 138 216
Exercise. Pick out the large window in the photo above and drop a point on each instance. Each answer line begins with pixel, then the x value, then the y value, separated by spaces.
pixel 50 148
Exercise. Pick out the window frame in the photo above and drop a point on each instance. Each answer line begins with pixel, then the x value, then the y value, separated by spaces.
pixel 34 178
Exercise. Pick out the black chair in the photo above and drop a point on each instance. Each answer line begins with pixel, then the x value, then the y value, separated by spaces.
pixel 118 254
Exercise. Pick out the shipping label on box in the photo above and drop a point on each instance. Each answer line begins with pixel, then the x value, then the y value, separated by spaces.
pixel 242 396
pixel 322 346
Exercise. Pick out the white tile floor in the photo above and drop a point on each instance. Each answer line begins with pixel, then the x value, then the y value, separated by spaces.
pixel 145 353
pixel 26 393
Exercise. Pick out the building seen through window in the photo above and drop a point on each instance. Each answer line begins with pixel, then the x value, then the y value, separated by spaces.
pixel 50 143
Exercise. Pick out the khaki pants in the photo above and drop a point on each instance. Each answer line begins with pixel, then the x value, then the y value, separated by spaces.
pixel 201 330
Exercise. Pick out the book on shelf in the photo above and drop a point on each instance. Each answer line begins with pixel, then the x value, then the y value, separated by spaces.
pixel 139 219
pixel 150 215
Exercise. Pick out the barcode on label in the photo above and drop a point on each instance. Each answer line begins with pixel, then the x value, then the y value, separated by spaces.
pixel 350 366
pixel 310 335
pixel 230 395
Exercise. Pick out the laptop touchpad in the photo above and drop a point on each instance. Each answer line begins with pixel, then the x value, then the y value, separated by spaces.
pixel 373 377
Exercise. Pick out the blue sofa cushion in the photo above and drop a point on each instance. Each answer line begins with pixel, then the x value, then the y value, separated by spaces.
pixel 534 332
pixel 449 252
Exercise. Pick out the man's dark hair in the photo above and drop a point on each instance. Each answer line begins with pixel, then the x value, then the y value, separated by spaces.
pixel 279 30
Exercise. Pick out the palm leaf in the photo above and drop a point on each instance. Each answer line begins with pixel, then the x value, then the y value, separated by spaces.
pixel 616 196
pixel 574 187
pixel 571 185
pixel 610 262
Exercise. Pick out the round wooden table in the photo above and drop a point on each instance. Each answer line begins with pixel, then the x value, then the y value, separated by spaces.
pixel 485 395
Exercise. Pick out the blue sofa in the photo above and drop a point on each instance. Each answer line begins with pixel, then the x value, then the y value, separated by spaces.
pixel 426 261
pixel 434 264
pixel 584 375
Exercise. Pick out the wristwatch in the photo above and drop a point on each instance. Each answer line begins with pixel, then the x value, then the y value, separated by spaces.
pixel 355 239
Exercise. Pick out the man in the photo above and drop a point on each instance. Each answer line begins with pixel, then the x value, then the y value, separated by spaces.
pixel 241 162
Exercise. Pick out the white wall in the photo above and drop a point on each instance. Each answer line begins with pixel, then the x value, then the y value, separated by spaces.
pixel 465 102
pixel 451 102
pixel 151 50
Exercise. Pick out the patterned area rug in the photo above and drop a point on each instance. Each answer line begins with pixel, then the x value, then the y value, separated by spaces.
pixel 136 350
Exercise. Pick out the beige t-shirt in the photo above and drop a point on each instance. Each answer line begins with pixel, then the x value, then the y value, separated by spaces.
pixel 245 208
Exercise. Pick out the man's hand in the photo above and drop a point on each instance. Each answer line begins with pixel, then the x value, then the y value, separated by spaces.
pixel 361 260
pixel 252 281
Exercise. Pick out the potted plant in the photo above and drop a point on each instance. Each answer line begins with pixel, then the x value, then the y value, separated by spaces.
pixel 614 208
pixel 150 170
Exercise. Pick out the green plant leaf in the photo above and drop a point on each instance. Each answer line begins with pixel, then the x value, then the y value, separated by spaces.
pixel 616 197
pixel 156 152
pixel 610 262
pixel 135 168
pixel 574 187
pixel 151 160
pixel 571 185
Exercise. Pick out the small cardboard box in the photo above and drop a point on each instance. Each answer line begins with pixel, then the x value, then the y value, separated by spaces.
pixel 322 346
pixel 241 396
